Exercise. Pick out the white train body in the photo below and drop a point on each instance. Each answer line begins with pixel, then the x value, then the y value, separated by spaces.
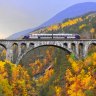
pixel 52 36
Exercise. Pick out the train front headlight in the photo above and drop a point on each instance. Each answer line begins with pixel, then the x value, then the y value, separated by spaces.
pixel 77 36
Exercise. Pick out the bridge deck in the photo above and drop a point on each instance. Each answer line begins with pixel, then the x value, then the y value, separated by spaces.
pixel 50 40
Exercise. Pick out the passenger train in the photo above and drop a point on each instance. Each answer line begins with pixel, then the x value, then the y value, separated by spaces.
pixel 52 36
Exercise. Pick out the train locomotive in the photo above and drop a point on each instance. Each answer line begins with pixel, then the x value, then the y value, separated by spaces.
pixel 52 36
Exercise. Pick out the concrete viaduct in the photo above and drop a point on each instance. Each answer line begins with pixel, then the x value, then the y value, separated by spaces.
pixel 73 46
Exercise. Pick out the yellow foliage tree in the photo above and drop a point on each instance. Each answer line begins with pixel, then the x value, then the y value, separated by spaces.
pixel 14 80
pixel 81 79
pixel 92 32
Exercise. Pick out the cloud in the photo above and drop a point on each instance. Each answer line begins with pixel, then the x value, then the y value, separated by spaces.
pixel 2 36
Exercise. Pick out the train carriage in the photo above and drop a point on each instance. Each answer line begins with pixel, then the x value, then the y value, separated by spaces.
pixel 52 36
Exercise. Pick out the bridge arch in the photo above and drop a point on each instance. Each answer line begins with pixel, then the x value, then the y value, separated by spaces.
pixel 92 47
pixel 65 45
pixel 73 47
pixel 31 45
pixel 3 45
pixel 32 48
pixel 23 47
pixel 14 48
pixel 80 49
pixel 3 50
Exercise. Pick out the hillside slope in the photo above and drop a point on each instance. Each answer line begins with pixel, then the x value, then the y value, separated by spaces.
pixel 81 25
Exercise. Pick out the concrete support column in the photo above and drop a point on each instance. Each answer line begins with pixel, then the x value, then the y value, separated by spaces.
pixel 9 53
pixel 61 44
pixel 37 44
pixel 27 46
pixel 85 50
pixel 69 45
pixel 77 49
pixel 19 50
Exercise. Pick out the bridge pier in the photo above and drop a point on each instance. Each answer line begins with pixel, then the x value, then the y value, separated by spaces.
pixel 77 50
pixel 69 45
pixel 85 50
pixel 19 50
pixel 9 54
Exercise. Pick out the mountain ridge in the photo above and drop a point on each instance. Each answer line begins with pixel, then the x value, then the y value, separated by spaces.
pixel 61 16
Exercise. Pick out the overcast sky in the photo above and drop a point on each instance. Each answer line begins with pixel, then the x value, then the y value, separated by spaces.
pixel 19 15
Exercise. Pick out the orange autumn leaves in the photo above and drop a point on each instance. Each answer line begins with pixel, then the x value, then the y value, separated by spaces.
pixel 81 79
pixel 48 74
pixel 14 80
pixel 65 24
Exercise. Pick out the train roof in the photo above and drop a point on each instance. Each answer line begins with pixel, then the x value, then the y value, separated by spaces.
pixel 53 34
